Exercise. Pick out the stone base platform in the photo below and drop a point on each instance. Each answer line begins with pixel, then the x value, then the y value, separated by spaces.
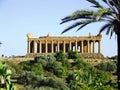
pixel 85 55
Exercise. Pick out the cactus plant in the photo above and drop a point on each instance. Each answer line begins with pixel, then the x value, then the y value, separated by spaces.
pixel 5 75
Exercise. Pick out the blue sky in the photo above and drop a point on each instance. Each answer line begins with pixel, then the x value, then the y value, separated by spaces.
pixel 40 17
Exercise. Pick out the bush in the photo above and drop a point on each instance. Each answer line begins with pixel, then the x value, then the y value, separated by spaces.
pixel 73 55
pixel 67 64
pixel 107 66
pixel 80 64
pixel 38 88
pixel 26 65
pixel 37 69
pixel 60 56
pixel 36 82
pixel 61 71
pixel 44 57
pixel 29 78
pixel 53 82
pixel 51 65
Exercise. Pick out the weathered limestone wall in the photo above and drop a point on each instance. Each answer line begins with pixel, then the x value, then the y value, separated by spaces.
pixel 53 44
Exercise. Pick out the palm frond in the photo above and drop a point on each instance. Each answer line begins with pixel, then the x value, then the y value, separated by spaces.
pixel 81 24
pixel 97 5
pixel 86 23
pixel 111 33
pixel 80 14
pixel 101 12
pixel 111 4
pixel 111 14
pixel 104 27
pixel 116 5
pixel 72 26
pixel 81 27
pixel 109 28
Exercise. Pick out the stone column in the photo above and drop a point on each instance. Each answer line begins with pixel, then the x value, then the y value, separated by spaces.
pixel 88 47
pixel 28 47
pixel 99 46
pixel 58 46
pixel 93 46
pixel 33 46
pixel 46 47
pixel 64 48
pixel 52 47
pixel 70 45
pixel 40 43
pixel 76 46
pixel 82 46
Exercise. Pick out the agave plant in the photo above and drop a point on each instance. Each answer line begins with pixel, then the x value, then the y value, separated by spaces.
pixel 5 77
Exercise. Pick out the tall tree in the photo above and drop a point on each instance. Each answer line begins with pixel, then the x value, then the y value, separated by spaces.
pixel 0 43
pixel 109 14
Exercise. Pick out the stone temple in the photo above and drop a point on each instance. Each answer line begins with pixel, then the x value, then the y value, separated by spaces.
pixel 52 44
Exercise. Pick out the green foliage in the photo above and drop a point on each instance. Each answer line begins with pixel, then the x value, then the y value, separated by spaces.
pixel 5 77
pixel 38 88
pixel 37 69
pixel 45 60
pixel 107 66
pixel 35 81
pixel 73 55
pixel 26 65
pixel 65 63
pixel 80 64
pixel 28 78
pixel 86 77
pixel 54 82
pixel 44 57
pixel 60 56
pixel 61 71
pixel 79 80
pixel 51 65
pixel 87 80
pixel 45 72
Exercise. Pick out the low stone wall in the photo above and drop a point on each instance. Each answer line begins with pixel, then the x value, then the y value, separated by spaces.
pixel 91 55
pixel 16 60
pixel 82 55
pixel 97 61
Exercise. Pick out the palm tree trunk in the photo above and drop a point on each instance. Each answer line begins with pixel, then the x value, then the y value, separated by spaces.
pixel 118 59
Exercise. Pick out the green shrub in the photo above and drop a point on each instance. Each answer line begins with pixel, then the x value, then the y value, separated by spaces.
pixel 25 65
pixel 92 79
pixel 28 78
pixel 61 71
pixel 67 64
pixel 80 64
pixel 37 69
pixel 53 82
pixel 107 66
pixel 44 57
pixel 73 55
pixel 36 82
pixel 60 56
pixel 29 87
pixel 51 65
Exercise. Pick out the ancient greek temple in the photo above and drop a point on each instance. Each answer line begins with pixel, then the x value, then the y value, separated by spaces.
pixel 53 44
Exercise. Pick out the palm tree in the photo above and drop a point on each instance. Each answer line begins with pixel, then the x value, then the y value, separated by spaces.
pixel 109 14
pixel 0 43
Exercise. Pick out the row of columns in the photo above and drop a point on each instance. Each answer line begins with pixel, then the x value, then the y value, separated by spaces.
pixel 83 46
